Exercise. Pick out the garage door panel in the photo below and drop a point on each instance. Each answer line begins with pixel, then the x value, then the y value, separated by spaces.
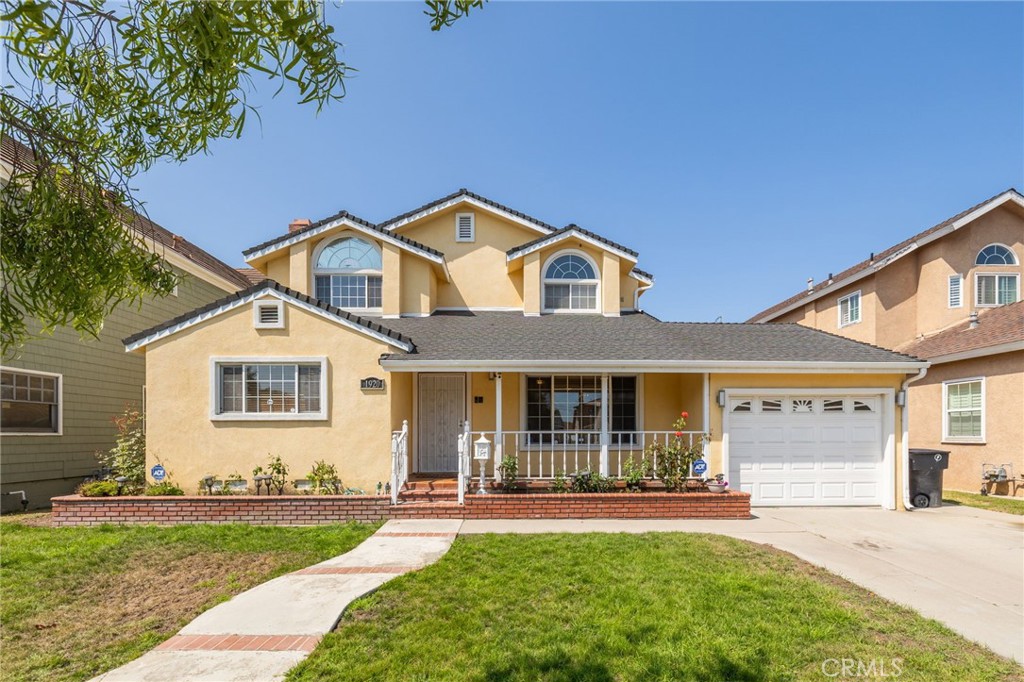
pixel 804 454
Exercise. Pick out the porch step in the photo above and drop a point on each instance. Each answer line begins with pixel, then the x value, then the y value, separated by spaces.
pixel 430 490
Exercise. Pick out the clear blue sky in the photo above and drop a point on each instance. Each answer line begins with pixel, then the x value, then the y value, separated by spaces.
pixel 741 148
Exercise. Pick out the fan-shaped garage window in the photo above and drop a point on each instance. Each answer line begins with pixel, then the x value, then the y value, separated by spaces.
pixel 570 284
pixel 347 274
pixel 996 254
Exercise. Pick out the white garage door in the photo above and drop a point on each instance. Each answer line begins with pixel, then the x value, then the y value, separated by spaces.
pixel 806 449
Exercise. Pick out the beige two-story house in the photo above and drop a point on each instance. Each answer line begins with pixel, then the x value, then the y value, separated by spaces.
pixel 375 346
pixel 951 295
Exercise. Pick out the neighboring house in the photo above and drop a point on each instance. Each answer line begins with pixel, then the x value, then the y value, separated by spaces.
pixel 948 295
pixel 59 393
pixel 467 314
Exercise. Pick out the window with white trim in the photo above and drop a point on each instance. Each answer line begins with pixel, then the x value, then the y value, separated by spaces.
pixel 465 227
pixel 996 254
pixel 567 409
pixel 268 314
pixel 849 309
pixel 956 298
pixel 570 284
pixel 996 289
pixel 269 389
pixel 348 274
pixel 963 410
pixel 29 402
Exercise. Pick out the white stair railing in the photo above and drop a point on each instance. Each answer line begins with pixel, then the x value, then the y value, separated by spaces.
pixel 399 460
pixel 464 461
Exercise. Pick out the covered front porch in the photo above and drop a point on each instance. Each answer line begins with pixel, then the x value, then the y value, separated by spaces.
pixel 547 424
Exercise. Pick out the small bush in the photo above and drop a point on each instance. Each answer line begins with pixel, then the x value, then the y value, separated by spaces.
pixel 591 482
pixel 128 456
pixel 98 489
pixel 164 488
pixel 324 479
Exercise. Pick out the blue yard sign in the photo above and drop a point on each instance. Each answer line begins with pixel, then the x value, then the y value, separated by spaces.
pixel 158 473
pixel 700 466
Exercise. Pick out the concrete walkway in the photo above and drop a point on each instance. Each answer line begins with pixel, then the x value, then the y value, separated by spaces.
pixel 264 632
pixel 961 566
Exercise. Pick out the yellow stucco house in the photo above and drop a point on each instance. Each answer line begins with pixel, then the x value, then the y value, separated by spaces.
pixel 951 295
pixel 375 345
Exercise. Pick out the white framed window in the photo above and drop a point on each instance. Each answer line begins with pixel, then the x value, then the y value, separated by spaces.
pixel 566 409
pixel 31 403
pixel 963 410
pixel 996 254
pixel 347 273
pixel 570 283
pixel 994 289
pixel 956 287
pixel 268 314
pixel 849 309
pixel 268 388
pixel 465 227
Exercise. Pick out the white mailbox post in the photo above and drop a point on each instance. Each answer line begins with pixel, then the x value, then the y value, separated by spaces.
pixel 482 453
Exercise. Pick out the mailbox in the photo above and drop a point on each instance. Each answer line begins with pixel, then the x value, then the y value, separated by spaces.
pixel 482 448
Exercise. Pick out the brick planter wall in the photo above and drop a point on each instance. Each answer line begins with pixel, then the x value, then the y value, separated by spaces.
pixel 303 510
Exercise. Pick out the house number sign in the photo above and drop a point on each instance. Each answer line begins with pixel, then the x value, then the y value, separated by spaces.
pixel 371 384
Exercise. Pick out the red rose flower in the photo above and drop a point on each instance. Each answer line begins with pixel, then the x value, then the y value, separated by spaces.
pixel 685 415
pixel 679 433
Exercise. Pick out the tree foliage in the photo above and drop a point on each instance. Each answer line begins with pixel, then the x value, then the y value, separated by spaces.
pixel 97 93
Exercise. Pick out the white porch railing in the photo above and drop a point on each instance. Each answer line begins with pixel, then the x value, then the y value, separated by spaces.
pixel 465 463
pixel 546 454
pixel 399 460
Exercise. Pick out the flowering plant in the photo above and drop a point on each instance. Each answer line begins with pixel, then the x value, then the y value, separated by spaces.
pixel 674 457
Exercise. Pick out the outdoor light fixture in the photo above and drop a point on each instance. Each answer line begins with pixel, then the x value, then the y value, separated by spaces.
pixel 482 453
pixel 208 482
pixel 121 480
pixel 721 398
pixel 260 480
pixel 380 486
pixel 901 398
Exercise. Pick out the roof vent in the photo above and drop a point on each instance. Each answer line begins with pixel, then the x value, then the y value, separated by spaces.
pixel 974 320
pixel 298 224
pixel 810 284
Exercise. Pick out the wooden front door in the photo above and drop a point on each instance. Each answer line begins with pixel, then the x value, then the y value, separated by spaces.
pixel 441 414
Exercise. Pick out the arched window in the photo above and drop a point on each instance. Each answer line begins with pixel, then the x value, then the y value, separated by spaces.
pixel 570 284
pixel 347 274
pixel 995 254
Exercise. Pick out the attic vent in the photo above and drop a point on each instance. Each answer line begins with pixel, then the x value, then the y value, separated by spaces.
pixel 268 314
pixel 465 227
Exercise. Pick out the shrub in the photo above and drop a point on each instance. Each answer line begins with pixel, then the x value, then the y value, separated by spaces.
pixel 278 472
pixel 98 489
pixel 635 471
pixel 324 478
pixel 560 484
pixel 509 469
pixel 164 488
pixel 675 457
pixel 128 456
pixel 589 482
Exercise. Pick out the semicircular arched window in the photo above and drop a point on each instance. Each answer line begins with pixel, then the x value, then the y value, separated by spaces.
pixel 347 274
pixel 570 284
pixel 995 254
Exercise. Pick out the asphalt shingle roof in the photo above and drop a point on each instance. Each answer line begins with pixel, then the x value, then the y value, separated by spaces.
pixel 996 326
pixel 567 230
pixel 503 336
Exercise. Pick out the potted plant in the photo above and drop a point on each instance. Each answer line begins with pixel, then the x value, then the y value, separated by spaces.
pixel 718 484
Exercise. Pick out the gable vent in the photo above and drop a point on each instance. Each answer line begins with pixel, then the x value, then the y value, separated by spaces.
pixel 268 314
pixel 465 227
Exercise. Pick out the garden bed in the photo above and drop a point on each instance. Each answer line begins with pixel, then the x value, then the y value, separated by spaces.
pixel 303 510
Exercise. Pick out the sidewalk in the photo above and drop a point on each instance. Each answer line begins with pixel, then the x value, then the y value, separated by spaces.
pixel 264 632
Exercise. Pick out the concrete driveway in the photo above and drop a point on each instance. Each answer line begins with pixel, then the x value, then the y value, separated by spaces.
pixel 961 566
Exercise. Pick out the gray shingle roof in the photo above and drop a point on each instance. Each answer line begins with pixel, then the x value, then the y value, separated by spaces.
pixel 509 336
pixel 463 192
pixel 568 229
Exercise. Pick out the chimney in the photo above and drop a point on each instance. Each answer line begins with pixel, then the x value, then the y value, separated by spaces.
pixel 974 320
pixel 810 284
pixel 298 224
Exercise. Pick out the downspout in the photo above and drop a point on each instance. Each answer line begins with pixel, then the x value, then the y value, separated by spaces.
pixel 636 295
pixel 905 418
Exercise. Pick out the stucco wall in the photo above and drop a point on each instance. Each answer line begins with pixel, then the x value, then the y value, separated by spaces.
pixel 355 436
pixel 1004 418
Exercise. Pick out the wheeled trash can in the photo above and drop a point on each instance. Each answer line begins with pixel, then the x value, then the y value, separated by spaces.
pixel 926 467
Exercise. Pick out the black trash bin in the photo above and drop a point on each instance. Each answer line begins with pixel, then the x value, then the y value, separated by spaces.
pixel 926 467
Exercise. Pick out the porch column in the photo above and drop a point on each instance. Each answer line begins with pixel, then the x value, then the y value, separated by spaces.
pixel 605 405
pixel 706 426
pixel 498 436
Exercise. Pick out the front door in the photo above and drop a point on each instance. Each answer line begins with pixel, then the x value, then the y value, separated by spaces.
pixel 441 412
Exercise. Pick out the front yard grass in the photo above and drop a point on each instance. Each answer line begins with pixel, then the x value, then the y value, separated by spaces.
pixel 76 602
pixel 657 606
pixel 997 503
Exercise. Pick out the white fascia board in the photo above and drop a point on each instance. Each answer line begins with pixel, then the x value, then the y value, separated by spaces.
pixel 572 234
pixel 350 224
pixel 262 293
pixel 978 352
pixel 641 278
pixel 462 198
pixel 938 234
pixel 654 366
pixel 189 266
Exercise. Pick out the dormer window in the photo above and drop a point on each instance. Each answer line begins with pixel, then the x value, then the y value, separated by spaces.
pixel 570 284
pixel 347 274
pixel 996 288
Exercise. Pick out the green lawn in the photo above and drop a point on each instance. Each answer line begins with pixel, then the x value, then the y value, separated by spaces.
pixel 1009 505
pixel 76 602
pixel 633 607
